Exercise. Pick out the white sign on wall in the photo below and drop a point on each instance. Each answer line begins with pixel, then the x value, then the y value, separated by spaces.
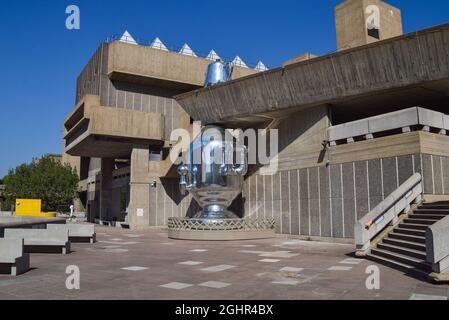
pixel 140 212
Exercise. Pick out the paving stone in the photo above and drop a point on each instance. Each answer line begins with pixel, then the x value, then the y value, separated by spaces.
pixel 287 255
pixel 215 284
pixel 219 268
pixel 176 285
pixel 339 268
pixel 286 282
pixel 190 263
pixel 352 261
pixel 269 260
pixel 292 270
pixel 251 251
pixel 135 268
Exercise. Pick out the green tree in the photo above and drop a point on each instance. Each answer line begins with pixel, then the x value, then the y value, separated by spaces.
pixel 46 179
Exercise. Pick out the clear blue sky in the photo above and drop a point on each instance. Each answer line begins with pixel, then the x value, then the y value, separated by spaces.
pixel 40 59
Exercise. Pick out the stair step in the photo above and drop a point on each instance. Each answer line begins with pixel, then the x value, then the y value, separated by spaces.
pixel 407 237
pixel 426 222
pixel 412 232
pixel 397 265
pixel 441 203
pixel 402 250
pixel 406 244
pixel 415 262
pixel 414 226
pixel 427 216
pixel 439 210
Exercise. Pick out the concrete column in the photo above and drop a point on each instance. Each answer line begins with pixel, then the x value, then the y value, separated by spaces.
pixel 107 166
pixel 139 205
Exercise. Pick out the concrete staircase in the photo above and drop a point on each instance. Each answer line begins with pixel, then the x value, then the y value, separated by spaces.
pixel 404 247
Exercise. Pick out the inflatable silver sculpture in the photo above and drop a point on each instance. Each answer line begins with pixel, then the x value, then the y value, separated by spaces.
pixel 213 174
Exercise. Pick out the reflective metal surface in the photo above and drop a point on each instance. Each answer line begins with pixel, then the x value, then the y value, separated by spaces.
pixel 218 72
pixel 212 174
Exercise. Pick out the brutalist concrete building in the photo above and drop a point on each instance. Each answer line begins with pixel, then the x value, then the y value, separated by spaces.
pixel 353 125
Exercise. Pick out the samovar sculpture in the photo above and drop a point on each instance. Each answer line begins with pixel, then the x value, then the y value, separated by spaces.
pixel 213 174
pixel 218 72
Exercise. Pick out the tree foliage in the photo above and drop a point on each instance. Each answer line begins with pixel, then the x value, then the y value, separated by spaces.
pixel 54 183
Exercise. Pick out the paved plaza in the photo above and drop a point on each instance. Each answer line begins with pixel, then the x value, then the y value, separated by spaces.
pixel 124 264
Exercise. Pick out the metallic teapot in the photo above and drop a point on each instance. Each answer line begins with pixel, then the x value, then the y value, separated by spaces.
pixel 218 72
pixel 214 184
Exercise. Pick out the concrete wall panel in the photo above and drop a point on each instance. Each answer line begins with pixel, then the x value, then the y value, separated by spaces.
pixel 325 203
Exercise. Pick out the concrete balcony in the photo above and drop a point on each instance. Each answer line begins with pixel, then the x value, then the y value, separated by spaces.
pixel 92 130
pixel 130 63
pixel 405 120
pixel 410 131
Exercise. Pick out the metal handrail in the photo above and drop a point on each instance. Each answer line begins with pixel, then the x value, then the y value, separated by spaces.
pixel 387 212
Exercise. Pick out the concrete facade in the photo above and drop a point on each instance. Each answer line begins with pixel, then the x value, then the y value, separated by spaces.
pixel 352 19
pixel 364 81
pixel 325 202
pixel 130 98
pixel 118 134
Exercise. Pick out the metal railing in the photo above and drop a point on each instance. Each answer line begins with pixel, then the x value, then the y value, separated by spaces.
pixel 387 212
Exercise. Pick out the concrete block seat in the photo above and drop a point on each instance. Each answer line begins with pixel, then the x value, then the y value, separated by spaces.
pixel 41 240
pixel 77 232
pixel 13 260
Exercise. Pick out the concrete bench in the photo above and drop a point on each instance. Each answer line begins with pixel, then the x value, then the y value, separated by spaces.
pixel 76 231
pixel 12 258
pixel 40 240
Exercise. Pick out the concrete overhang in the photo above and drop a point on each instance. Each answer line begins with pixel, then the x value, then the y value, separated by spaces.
pixel 92 130
pixel 408 69
pixel 149 66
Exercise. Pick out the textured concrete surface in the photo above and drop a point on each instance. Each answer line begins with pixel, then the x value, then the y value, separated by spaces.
pixel 350 22
pixel 92 130
pixel 388 69
pixel 437 244
pixel 146 265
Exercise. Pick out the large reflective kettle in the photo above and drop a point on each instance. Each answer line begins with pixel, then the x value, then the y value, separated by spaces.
pixel 218 72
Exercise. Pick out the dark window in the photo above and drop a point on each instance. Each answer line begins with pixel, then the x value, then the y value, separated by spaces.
pixel 374 32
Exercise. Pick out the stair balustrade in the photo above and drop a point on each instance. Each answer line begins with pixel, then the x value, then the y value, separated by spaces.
pixel 387 212
pixel 437 245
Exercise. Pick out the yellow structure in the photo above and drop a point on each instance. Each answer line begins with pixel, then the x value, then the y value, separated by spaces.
pixel 31 208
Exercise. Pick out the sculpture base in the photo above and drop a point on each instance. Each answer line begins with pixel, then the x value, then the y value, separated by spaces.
pixel 224 230
pixel 214 214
